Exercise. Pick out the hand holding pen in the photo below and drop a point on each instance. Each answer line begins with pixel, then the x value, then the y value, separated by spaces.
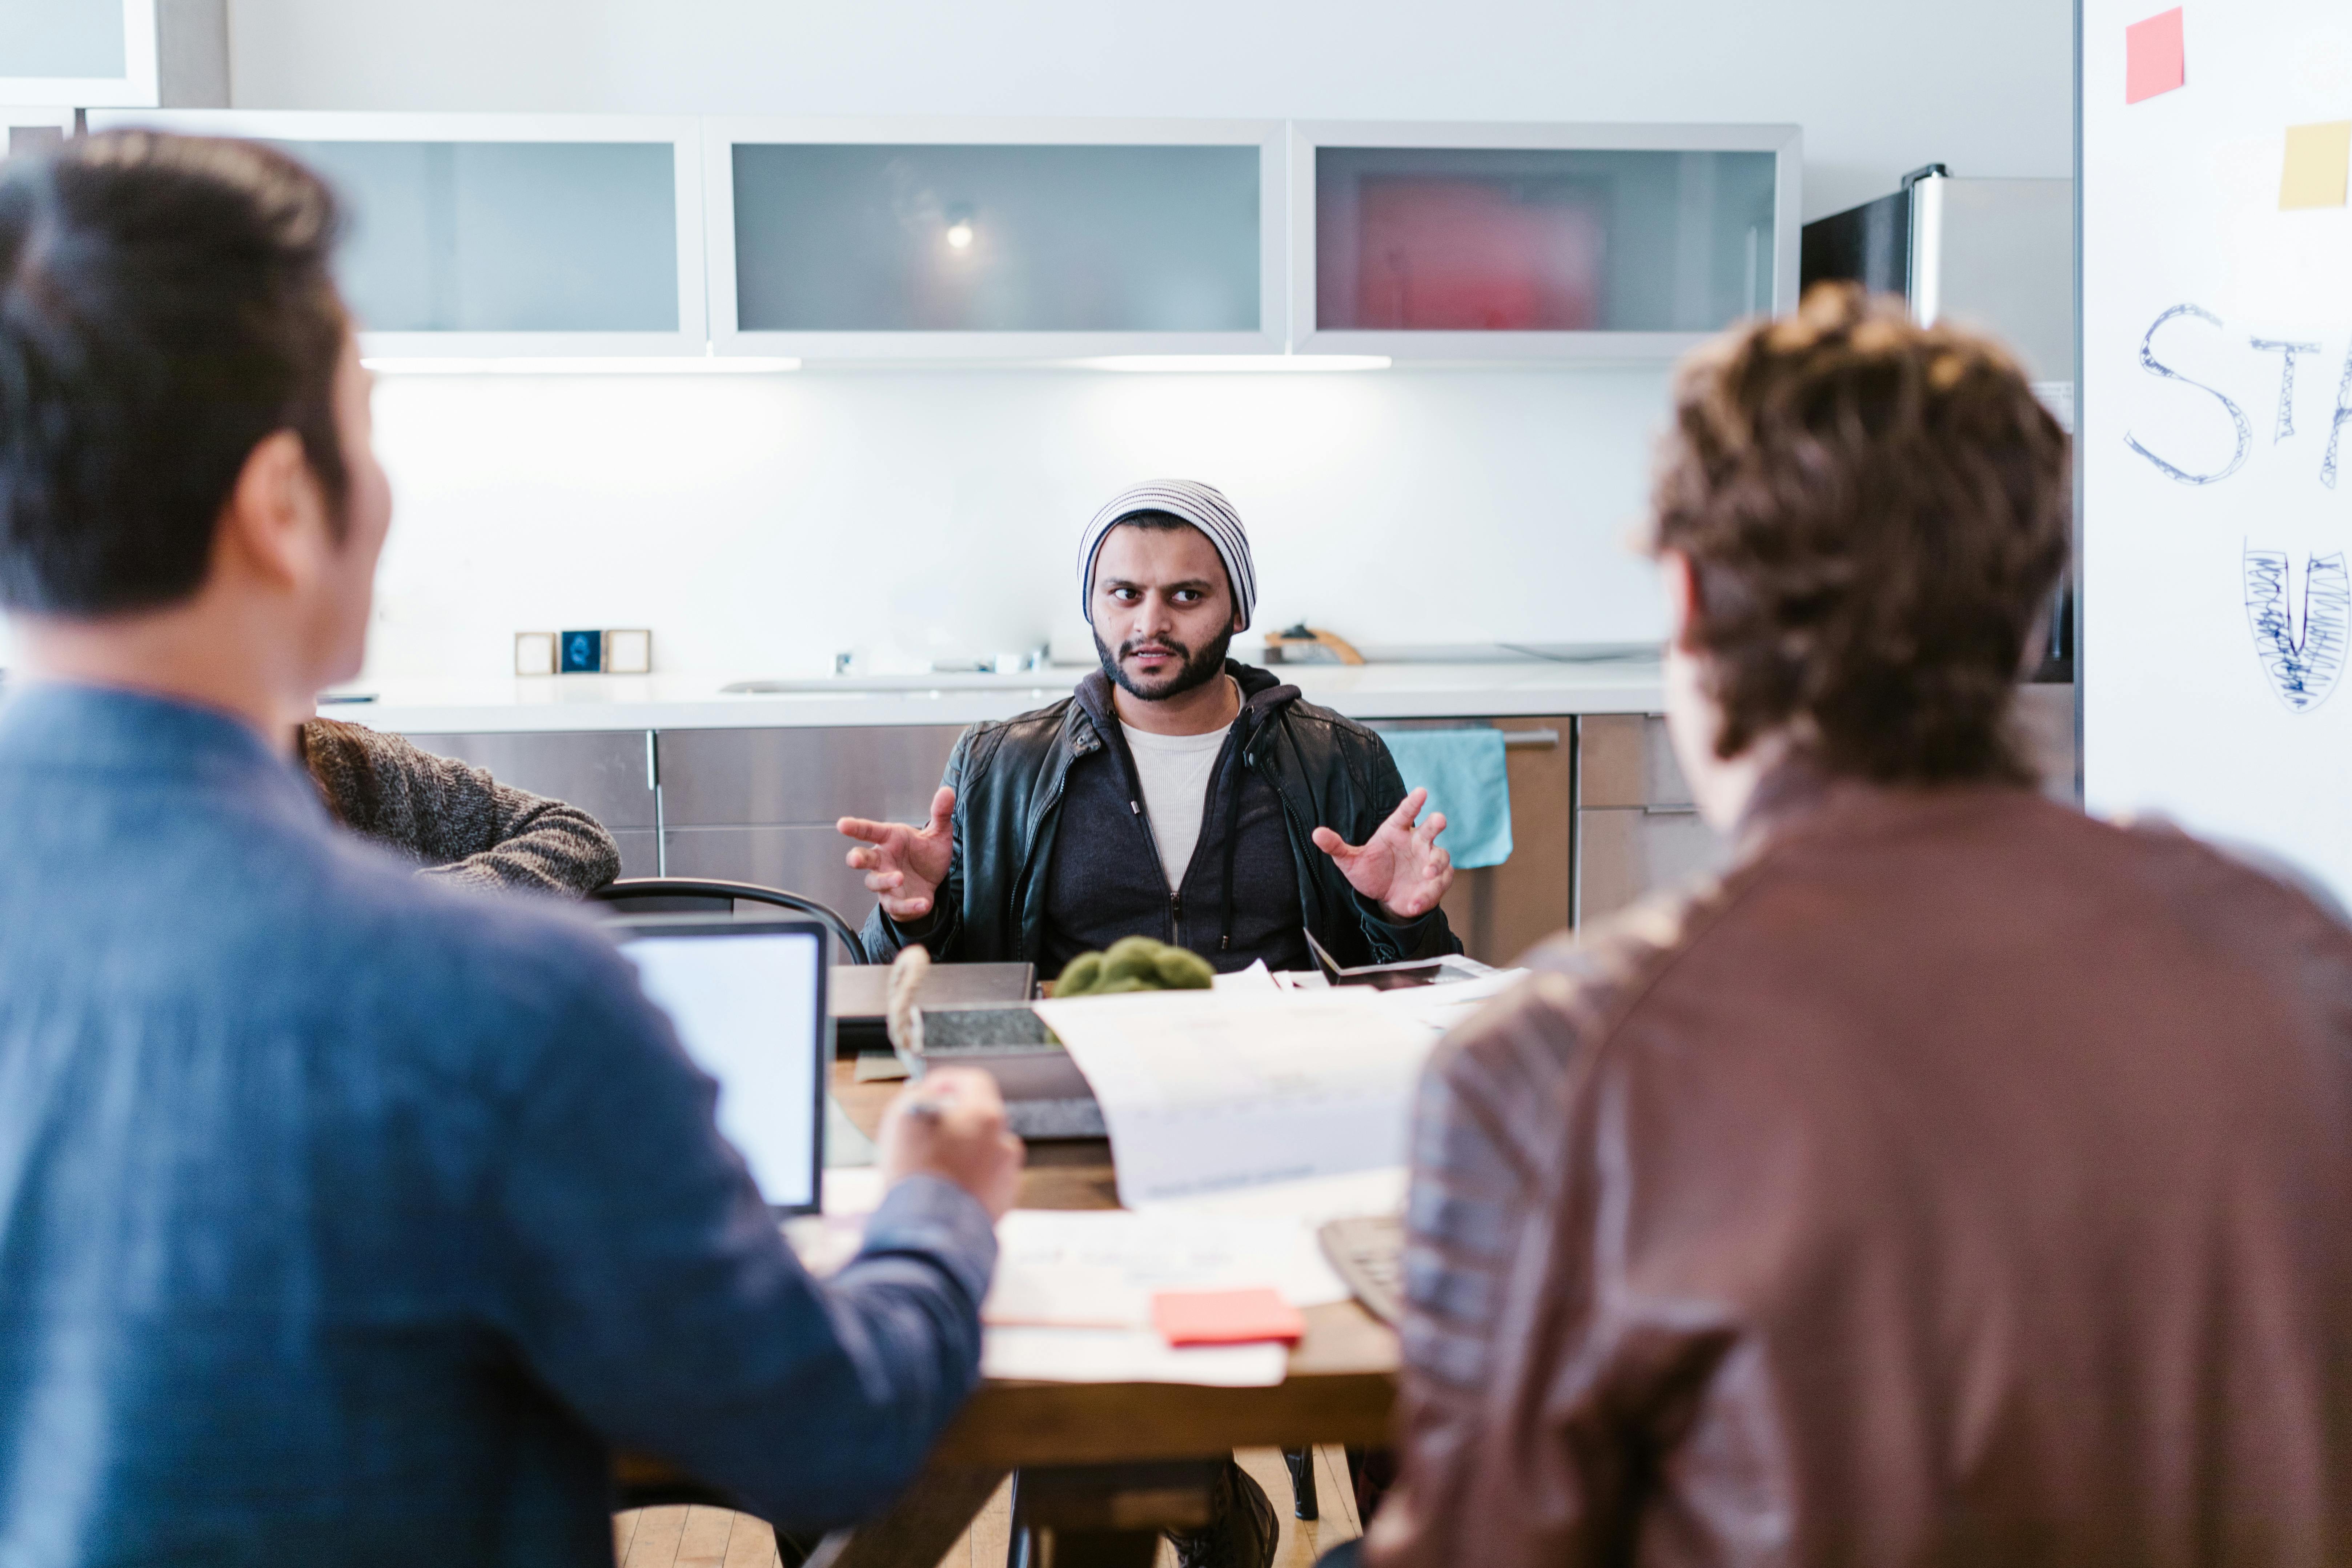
pixel 951 1125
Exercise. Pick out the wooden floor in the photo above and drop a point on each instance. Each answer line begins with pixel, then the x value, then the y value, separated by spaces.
pixel 714 1537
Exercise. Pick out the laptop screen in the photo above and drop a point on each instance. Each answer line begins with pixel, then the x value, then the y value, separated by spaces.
pixel 747 998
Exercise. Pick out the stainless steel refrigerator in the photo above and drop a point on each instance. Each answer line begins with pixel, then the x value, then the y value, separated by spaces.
pixel 1993 253
pixel 1996 254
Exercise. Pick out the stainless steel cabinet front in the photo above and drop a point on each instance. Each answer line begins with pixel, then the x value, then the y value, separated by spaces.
pixel 735 778
pixel 1624 854
pixel 605 772
pixel 1637 828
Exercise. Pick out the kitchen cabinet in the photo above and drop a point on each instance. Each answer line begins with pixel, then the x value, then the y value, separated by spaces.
pixel 1638 831
pixel 79 52
pixel 1637 828
pixel 607 773
pixel 1515 242
pixel 484 236
pixel 926 240
pixel 992 239
pixel 1500 911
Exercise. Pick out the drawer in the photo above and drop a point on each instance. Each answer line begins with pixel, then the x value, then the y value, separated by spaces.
pixel 1625 759
pixel 724 778
pixel 1624 854
pixel 604 773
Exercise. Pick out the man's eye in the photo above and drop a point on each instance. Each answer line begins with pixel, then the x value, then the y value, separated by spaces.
pixel 1188 595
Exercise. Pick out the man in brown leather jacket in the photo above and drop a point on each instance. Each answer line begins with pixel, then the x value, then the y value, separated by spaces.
pixel 1956 1179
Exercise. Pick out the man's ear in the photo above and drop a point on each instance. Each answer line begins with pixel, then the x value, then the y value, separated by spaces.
pixel 1683 600
pixel 270 512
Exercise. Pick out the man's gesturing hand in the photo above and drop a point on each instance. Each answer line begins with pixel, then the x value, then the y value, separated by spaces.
pixel 1399 867
pixel 903 864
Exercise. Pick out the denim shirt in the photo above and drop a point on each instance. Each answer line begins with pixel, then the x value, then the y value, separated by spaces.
pixel 348 1219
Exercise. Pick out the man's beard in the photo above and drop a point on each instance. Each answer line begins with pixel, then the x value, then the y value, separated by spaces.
pixel 1197 670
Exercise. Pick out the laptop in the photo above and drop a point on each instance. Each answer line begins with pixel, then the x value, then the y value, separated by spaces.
pixel 747 998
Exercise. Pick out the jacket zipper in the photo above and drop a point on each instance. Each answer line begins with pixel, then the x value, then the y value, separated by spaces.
pixel 1071 751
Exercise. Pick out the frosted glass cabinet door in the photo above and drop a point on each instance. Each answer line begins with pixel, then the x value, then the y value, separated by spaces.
pixel 852 245
pixel 84 52
pixel 63 38
pixel 506 237
pixel 846 238
pixel 500 236
pixel 1564 245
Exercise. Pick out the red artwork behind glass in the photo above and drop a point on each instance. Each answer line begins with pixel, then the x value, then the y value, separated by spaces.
pixel 1433 254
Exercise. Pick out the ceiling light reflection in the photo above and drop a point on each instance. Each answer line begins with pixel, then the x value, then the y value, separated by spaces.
pixel 584 365
pixel 1292 363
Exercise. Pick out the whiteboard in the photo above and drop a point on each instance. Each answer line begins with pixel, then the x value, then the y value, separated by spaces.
pixel 2214 433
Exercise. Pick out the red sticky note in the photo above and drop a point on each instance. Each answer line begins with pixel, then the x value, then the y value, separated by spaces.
pixel 2153 58
pixel 1224 1317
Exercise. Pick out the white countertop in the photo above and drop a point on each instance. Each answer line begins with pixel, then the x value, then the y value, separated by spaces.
pixel 697 703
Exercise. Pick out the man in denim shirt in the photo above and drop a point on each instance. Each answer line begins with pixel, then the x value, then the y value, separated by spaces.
pixel 344 1218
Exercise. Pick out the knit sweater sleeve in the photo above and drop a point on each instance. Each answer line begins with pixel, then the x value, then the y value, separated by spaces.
pixel 456 821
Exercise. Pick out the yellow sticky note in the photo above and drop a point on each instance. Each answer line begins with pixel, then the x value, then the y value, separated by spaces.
pixel 2316 160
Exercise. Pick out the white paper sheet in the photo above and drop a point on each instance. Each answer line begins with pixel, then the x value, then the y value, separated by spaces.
pixel 1090 1254
pixel 1257 980
pixel 1204 1092
pixel 1072 1297
pixel 1311 1203
pixel 1126 1355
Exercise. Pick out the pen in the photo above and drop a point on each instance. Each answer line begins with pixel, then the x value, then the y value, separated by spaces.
pixel 930 1105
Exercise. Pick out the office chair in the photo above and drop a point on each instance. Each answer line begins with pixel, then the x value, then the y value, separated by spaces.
pixel 695 895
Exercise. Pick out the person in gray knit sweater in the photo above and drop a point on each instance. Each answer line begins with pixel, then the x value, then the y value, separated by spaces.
pixel 456 821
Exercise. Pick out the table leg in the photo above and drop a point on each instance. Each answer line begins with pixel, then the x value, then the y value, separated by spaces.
pixel 918 1529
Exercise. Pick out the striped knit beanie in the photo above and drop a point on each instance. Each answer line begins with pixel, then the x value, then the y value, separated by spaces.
pixel 1202 506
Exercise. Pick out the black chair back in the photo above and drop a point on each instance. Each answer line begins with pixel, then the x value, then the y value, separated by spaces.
pixel 694 895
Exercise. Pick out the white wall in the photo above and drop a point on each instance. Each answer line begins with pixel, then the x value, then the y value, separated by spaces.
pixel 1879 86
pixel 759 525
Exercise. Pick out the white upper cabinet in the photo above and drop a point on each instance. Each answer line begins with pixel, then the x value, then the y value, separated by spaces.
pixel 79 52
pixel 1514 242
pixel 966 239
pixel 502 235
pixel 912 240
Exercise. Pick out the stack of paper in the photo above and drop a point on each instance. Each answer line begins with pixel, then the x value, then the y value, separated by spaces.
pixel 1208 1091
pixel 1073 1297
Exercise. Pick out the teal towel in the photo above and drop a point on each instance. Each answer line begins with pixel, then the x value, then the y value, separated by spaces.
pixel 1463 772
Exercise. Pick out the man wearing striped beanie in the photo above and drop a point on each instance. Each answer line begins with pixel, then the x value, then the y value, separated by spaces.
pixel 1176 794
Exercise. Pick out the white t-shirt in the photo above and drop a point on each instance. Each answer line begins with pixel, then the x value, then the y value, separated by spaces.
pixel 1174 772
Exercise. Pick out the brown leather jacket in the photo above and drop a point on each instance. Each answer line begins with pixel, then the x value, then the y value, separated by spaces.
pixel 1956 1180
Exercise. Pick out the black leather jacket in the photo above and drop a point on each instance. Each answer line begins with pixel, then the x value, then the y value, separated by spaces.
pixel 1330 771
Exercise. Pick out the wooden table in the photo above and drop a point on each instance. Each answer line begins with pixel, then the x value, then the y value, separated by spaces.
pixel 1341 1389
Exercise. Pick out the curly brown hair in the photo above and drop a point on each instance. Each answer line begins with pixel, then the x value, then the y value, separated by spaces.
pixel 1876 513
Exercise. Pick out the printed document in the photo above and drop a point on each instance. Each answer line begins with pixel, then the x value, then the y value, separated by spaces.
pixel 1205 1090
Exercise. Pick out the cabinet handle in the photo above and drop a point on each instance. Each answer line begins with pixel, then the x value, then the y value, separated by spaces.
pixel 1530 740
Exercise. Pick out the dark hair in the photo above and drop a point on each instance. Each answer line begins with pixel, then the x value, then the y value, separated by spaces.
pixel 165 305
pixel 1876 513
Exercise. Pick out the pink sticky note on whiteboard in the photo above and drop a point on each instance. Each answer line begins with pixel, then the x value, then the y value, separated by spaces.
pixel 2153 58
